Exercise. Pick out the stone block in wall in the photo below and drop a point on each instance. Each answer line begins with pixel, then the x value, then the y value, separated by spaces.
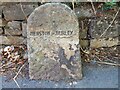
pixel 1 30
pixel 4 22
pixel 18 11
pixel 1 3
pixel 1 47
pixel 102 36
pixel 1 8
pixel 0 22
pixel 83 12
pixel 84 43
pixel 99 26
pixel 13 28
pixel 12 40
pixel 83 33
pixel 96 43
pixel 24 29
pixel 118 27
pixel 0 16
pixel 83 28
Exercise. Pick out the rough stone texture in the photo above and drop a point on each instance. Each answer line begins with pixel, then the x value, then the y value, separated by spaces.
pixel 4 22
pixel 0 22
pixel 84 43
pixel 0 16
pixel 1 3
pixel 118 27
pixel 96 43
pixel 24 29
pixel 1 47
pixel 0 10
pixel 108 39
pixel 1 31
pixel 83 28
pixel 83 12
pixel 53 43
pixel 18 11
pixel 13 28
pixel 11 40
pixel 100 25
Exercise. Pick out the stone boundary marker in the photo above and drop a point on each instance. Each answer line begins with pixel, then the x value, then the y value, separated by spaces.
pixel 53 43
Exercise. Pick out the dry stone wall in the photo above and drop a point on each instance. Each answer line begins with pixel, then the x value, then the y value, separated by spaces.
pixel 13 21
pixel 51 33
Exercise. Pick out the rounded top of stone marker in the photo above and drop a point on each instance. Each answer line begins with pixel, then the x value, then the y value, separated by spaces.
pixel 53 17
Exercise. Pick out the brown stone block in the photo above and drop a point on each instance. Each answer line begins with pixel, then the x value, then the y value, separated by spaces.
pixel 13 28
pixel 1 30
pixel 18 11
pixel 100 28
pixel 96 43
pixel 11 40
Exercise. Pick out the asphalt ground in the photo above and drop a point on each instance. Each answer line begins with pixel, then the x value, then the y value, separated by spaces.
pixel 94 76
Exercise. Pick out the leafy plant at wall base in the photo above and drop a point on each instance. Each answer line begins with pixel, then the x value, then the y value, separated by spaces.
pixel 109 5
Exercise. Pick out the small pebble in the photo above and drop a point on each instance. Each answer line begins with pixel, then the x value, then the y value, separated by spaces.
pixel 56 85
pixel 70 84
pixel 74 83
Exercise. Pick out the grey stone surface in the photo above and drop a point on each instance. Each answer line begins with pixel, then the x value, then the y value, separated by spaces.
pixel 53 43
pixel 24 29
pixel 119 33
pixel 12 40
pixel 0 66
pixel 1 3
pixel 1 31
pixel 18 11
pixel 84 42
pixel 83 12
pixel 1 8
pixel 0 22
pixel 99 25
pixel 103 42
pixel 13 28
pixel 0 83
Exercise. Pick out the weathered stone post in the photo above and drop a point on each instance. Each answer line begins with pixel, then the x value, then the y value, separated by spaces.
pixel 53 43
